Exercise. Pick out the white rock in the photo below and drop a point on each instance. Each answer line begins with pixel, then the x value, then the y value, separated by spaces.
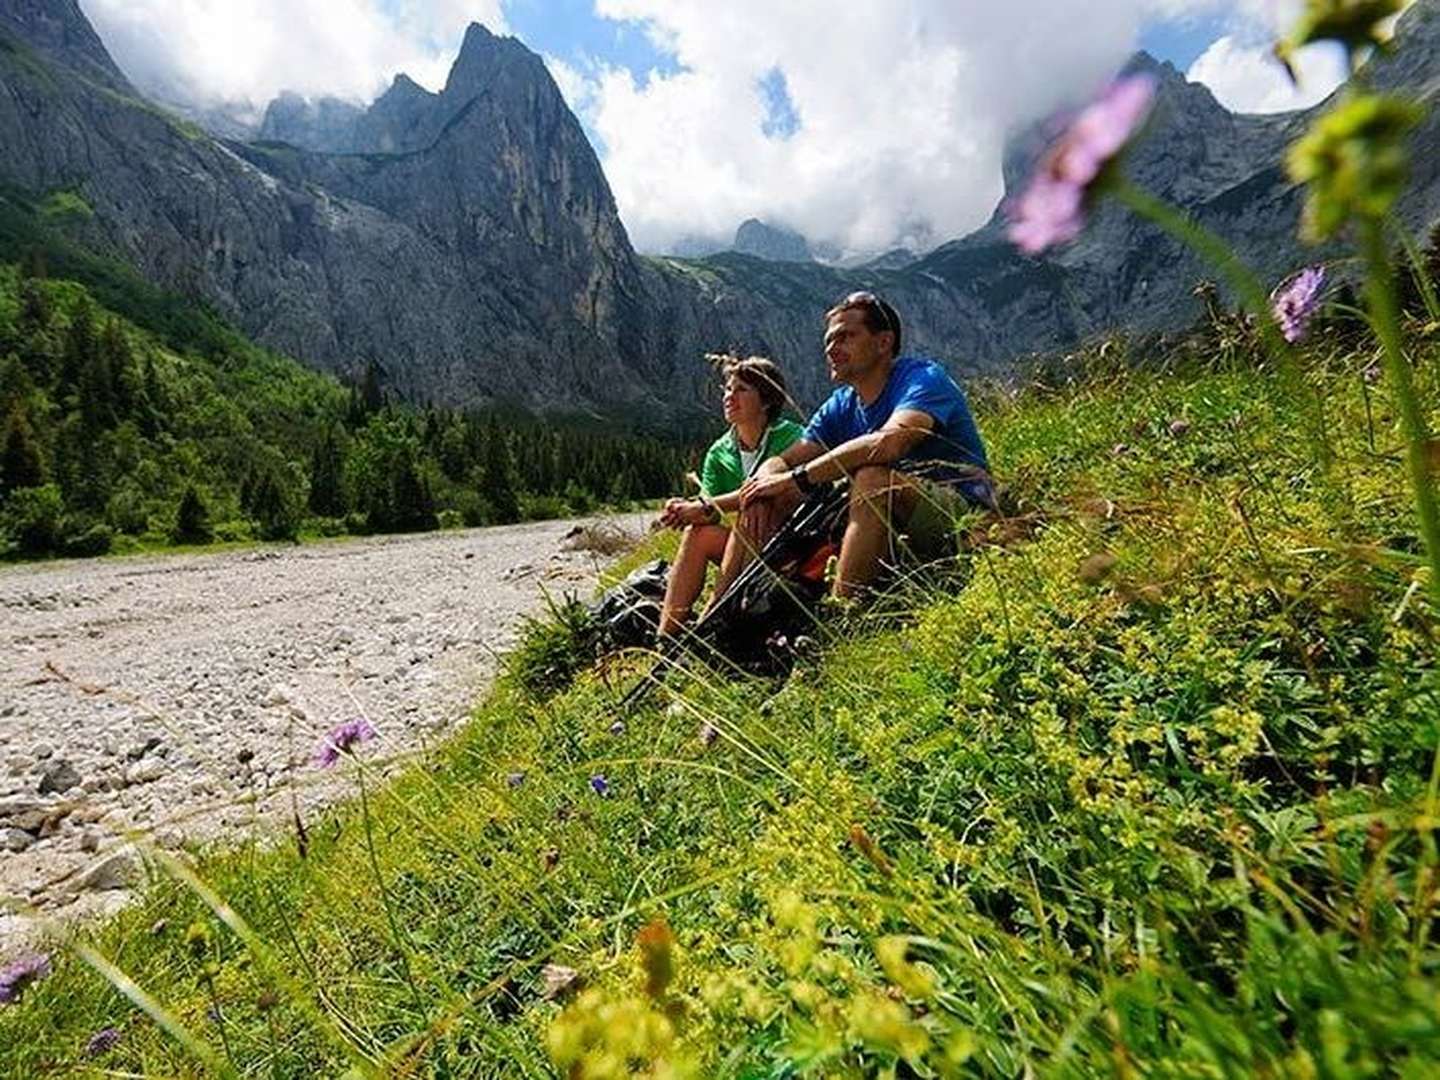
pixel 146 771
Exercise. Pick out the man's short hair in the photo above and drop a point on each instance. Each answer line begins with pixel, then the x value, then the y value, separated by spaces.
pixel 880 315
pixel 761 375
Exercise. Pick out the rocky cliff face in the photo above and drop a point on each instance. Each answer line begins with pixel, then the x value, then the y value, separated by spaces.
pixel 326 125
pixel 481 260
pixel 59 31
pixel 755 237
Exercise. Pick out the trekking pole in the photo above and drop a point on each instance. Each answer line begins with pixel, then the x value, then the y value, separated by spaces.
pixel 798 524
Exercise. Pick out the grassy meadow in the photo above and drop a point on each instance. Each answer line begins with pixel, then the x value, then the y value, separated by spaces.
pixel 1143 785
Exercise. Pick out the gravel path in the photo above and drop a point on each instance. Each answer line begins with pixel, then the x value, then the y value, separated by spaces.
pixel 168 693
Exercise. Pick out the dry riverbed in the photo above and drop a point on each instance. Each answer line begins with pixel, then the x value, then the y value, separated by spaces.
pixel 184 696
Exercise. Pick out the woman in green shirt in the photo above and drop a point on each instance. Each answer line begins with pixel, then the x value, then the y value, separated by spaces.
pixel 755 399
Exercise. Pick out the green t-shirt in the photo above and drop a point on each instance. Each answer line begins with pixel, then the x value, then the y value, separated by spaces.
pixel 723 472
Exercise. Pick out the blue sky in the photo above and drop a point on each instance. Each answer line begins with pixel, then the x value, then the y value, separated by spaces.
pixel 571 31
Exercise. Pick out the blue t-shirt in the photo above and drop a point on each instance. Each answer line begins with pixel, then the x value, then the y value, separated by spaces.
pixel 952 452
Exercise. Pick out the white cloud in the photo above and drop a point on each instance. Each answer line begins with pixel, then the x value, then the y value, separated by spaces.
pixel 1247 78
pixel 577 88
pixel 1241 70
pixel 250 50
pixel 903 110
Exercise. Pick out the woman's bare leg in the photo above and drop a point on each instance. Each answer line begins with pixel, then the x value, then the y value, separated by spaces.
pixel 700 545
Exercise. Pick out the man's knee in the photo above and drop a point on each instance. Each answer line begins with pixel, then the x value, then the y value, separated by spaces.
pixel 880 491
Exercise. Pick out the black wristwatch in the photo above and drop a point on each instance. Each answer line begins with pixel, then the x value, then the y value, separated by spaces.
pixel 802 479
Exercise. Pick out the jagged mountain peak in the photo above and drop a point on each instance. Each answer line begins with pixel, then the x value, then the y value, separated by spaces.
pixel 404 85
pixel 483 56
pixel 60 30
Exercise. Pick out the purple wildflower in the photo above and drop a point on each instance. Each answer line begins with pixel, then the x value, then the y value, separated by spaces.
pixel 515 779
pixel 1294 303
pixel 20 974
pixel 617 728
pixel 600 785
pixel 1052 209
pixel 1371 374
pixel 342 739
pixel 102 1042
pixel 708 733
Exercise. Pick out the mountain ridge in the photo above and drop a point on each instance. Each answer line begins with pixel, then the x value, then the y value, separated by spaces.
pixel 469 243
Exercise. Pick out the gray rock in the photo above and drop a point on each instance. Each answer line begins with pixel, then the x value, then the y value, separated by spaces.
pixel 20 810
pixel 15 840
pixel 116 871
pixel 60 777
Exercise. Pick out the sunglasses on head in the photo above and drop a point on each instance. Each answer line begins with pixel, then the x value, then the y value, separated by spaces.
pixel 870 300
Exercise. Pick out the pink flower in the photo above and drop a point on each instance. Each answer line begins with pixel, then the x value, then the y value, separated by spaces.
pixel 14 979
pixel 342 739
pixel 1052 209
pixel 1294 303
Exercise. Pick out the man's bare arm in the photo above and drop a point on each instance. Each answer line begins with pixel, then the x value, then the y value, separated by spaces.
pixel 796 453
pixel 904 431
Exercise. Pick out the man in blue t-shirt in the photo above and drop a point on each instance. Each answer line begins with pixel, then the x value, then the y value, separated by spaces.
pixel 898 426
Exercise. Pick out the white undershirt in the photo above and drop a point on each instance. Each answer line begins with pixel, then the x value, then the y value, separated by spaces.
pixel 748 460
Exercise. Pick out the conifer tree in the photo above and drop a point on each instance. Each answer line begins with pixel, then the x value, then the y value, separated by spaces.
pixel 372 393
pixel 81 348
pixel 95 390
pixel 154 406
pixel 35 310
pixel 21 465
pixel 16 383
pixel 327 493
pixel 275 508
pixel 119 364
pixel 192 520
pixel 412 508
pixel 33 268
pixel 496 484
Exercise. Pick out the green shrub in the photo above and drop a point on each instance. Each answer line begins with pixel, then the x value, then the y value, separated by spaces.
pixel 90 541
pixel 31 517
pixel 542 507
pixel 450 519
pixel 234 531
pixel 325 526
pixel 552 650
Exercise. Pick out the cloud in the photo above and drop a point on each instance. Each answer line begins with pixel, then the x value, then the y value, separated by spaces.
pixel 1246 77
pixel 897 112
pixel 1241 71
pixel 249 50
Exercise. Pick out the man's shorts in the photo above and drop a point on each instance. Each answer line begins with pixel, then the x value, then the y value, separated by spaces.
pixel 931 532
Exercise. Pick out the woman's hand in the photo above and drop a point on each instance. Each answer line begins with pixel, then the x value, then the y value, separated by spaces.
pixel 679 513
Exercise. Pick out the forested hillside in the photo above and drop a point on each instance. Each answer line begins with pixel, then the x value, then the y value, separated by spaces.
pixel 142 420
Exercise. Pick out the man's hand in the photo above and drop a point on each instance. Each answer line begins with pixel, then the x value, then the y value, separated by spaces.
pixel 764 486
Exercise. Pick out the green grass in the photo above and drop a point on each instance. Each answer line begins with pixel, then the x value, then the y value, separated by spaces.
pixel 66 204
pixel 1144 785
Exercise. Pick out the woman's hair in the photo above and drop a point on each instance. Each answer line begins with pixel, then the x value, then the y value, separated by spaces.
pixel 762 376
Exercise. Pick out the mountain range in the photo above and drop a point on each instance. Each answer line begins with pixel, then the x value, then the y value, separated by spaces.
pixel 468 243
